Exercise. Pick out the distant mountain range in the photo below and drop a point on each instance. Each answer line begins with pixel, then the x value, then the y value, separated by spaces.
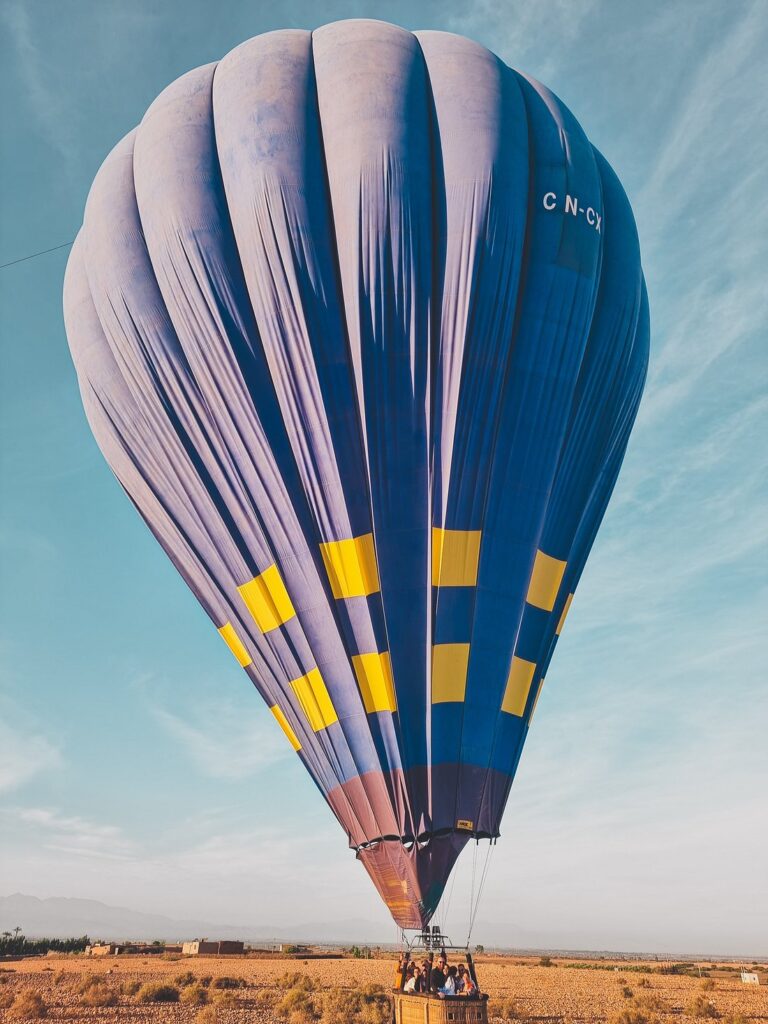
pixel 59 917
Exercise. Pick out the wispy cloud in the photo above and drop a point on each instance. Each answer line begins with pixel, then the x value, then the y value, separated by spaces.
pixel 48 103
pixel 72 834
pixel 221 740
pixel 50 87
pixel 704 216
pixel 24 753
pixel 517 34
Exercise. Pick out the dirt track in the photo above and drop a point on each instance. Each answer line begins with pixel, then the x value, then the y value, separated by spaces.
pixel 551 995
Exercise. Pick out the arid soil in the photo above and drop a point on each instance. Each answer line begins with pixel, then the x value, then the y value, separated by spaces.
pixel 568 992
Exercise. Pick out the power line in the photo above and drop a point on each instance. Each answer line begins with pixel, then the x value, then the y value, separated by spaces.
pixel 42 252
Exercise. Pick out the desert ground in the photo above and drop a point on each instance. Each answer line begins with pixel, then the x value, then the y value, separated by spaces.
pixel 347 991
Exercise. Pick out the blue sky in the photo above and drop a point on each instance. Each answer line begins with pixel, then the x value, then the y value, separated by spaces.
pixel 136 765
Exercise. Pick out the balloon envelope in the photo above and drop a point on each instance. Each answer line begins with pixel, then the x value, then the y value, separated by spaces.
pixel 360 326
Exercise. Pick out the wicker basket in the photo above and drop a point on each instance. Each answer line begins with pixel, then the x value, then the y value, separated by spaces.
pixel 419 1009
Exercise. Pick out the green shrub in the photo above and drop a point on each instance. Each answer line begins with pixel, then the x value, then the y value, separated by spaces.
pixel 182 980
pixel 98 995
pixel 157 992
pixel 631 1015
pixel 295 1000
pixel 357 1006
pixel 651 1002
pixel 506 1008
pixel 225 981
pixel 546 961
pixel 194 995
pixel 225 998
pixel 27 1006
pixel 701 1007
pixel 303 1017
pixel 295 979
pixel 88 981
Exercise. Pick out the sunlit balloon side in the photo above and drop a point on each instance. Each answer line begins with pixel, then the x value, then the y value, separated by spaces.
pixel 360 326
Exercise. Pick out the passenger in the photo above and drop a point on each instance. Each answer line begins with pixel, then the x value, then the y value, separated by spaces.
pixel 399 971
pixel 461 975
pixel 449 988
pixel 422 985
pixel 410 980
pixel 468 988
pixel 438 976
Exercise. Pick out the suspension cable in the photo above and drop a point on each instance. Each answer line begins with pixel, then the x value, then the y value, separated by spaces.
pixel 447 909
pixel 483 877
pixel 472 888
pixel 23 259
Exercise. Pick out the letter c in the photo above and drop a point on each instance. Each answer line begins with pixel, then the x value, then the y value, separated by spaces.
pixel 549 200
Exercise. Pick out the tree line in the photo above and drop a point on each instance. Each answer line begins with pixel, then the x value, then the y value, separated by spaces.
pixel 15 943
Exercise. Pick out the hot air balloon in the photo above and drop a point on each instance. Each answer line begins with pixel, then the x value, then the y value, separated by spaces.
pixel 360 327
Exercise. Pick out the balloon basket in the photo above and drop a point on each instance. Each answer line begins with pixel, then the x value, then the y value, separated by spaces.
pixel 420 1009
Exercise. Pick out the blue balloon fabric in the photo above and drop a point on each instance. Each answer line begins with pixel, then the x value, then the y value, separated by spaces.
pixel 360 326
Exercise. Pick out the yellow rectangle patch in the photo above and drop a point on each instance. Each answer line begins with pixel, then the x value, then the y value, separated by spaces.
pixel 566 609
pixel 235 644
pixel 374 677
pixel 464 825
pixel 545 582
pixel 315 700
pixel 455 557
pixel 536 699
pixel 449 672
pixel 267 599
pixel 518 686
pixel 284 724
pixel 351 566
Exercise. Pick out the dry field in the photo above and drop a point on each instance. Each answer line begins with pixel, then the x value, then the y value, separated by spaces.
pixel 74 988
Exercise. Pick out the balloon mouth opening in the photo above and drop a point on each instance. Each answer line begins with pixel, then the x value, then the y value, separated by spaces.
pixel 423 839
pixel 410 872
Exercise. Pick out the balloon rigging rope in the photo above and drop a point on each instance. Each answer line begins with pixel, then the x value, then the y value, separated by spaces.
pixel 23 259
pixel 472 888
pixel 474 909
pixel 447 909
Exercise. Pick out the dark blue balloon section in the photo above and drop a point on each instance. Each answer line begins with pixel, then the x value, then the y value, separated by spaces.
pixel 360 326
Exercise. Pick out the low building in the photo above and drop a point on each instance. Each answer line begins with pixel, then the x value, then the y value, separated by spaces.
pixel 198 947
pixel 204 947
pixel 231 947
